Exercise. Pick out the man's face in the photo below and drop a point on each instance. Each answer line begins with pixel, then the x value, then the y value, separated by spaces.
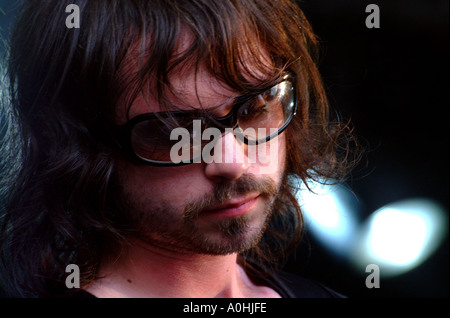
pixel 209 208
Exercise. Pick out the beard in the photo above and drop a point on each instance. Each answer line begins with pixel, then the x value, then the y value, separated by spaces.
pixel 189 231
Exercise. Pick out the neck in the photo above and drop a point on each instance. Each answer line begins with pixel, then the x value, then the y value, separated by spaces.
pixel 147 271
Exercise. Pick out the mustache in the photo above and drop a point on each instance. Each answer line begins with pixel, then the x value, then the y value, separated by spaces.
pixel 225 191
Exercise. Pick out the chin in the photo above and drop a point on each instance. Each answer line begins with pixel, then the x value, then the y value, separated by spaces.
pixel 233 235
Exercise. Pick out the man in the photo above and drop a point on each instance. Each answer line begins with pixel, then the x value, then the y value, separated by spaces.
pixel 113 176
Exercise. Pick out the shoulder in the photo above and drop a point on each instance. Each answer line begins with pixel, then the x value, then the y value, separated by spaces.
pixel 295 286
pixel 289 285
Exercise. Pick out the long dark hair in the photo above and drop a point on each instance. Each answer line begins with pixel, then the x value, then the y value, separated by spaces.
pixel 60 205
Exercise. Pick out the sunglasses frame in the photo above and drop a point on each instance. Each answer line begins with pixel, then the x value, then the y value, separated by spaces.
pixel 122 133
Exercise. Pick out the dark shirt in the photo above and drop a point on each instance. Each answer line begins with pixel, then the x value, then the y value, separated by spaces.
pixel 293 286
pixel 287 285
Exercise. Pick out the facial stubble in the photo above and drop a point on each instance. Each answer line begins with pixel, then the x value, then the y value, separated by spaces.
pixel 162 226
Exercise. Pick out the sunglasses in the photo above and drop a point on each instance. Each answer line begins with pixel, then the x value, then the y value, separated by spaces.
pixel 254 118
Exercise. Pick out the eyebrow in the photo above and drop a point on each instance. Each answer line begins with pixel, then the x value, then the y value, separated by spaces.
pixel 205 113
pixel 234 101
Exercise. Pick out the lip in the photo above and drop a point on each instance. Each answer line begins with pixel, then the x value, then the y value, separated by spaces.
pixel 236 207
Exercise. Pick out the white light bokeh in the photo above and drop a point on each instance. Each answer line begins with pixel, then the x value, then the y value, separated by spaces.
pixel 400 236
pixel 330 214
pixel 397 237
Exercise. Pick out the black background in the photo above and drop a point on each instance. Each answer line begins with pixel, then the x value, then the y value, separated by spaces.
pixel 393 82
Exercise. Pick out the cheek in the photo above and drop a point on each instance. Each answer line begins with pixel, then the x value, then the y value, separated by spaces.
pixel 156 185
pixel 270 158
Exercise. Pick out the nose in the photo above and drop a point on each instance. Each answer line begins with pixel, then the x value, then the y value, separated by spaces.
pixel 229 160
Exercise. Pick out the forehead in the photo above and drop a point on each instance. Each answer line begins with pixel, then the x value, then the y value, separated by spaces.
pixel 201 90
pixel 191 84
